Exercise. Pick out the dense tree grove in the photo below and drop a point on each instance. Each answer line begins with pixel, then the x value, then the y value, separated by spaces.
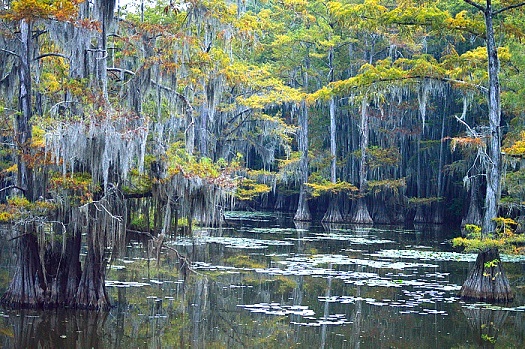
pixel 153 118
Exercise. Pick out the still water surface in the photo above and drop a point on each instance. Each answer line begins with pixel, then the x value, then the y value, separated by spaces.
pixel 261 281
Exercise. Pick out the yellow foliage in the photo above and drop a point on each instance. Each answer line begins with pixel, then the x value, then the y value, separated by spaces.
pixel 248 189
pixel 62 10
pixel 323 187
pixel 12 169
pixel 50 84
pixel 38 137
pixel 518 148
pixel 504 238
pixel 6 217
pixel 18 201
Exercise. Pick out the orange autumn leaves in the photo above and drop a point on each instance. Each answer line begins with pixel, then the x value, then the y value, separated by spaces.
pixel 29 10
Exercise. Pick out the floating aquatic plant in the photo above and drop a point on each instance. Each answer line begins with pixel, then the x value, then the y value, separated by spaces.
pixel 440 256
pixel 232 242
pixel 278 309
pixel 125 284
pixel 250 215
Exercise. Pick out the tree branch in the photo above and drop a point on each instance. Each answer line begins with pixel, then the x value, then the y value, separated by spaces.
pixel 121 70
pixel 187 104
pixel 521 4
pixel 423 77
pixel 51 54
pixel 476 5
pixel 138 195
pixel 13 187
pixel 10 52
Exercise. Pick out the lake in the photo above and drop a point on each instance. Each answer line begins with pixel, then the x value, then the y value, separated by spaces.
pixel 262 281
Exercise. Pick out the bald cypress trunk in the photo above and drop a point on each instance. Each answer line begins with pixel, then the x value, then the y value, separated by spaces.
pixel 333 214
pixel 360 212
pixel 473 213
pixel 487 281
pixel 27 288
pixel 493 170
pixel 303 211
pixel 478 285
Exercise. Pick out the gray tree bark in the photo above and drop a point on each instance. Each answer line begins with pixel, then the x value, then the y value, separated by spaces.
pixel 360 213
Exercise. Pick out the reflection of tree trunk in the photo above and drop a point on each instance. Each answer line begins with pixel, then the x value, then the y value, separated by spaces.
pixel 485 324
pixel 487 281
pixel 302 228
pixel 58 329
pixel 356 328
pixel 198 311
pixel 326 312
pixel 332 227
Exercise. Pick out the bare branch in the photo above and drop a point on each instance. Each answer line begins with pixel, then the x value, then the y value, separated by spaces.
pixel 521 4
pixel 469 129
pixel 121 70
pixel 13 187
pixel 187 104
pixel 184 262
pixel 51 54
pixel 10 52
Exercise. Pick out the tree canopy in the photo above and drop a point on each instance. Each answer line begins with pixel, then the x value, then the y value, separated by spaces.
pixel 361 111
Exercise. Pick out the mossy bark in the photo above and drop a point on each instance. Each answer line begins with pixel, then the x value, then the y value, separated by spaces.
pixel 27 288
pixel 359 213
pixel 474 212
pixel 487 281
pixel 380 212
pixel 333 214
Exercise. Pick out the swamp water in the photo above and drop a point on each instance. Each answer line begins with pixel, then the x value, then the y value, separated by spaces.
pixel 262 281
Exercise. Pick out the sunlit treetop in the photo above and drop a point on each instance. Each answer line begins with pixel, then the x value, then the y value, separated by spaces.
pixel 29 10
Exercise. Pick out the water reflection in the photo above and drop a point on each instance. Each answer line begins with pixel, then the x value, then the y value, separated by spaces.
pixel 485 325
pixel 264 282
pixel 54 329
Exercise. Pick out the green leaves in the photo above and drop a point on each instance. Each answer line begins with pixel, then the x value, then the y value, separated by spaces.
pixel 504 238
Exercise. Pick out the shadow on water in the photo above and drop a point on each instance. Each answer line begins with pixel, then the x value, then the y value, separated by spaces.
pixel 262 281
pixel 53 329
